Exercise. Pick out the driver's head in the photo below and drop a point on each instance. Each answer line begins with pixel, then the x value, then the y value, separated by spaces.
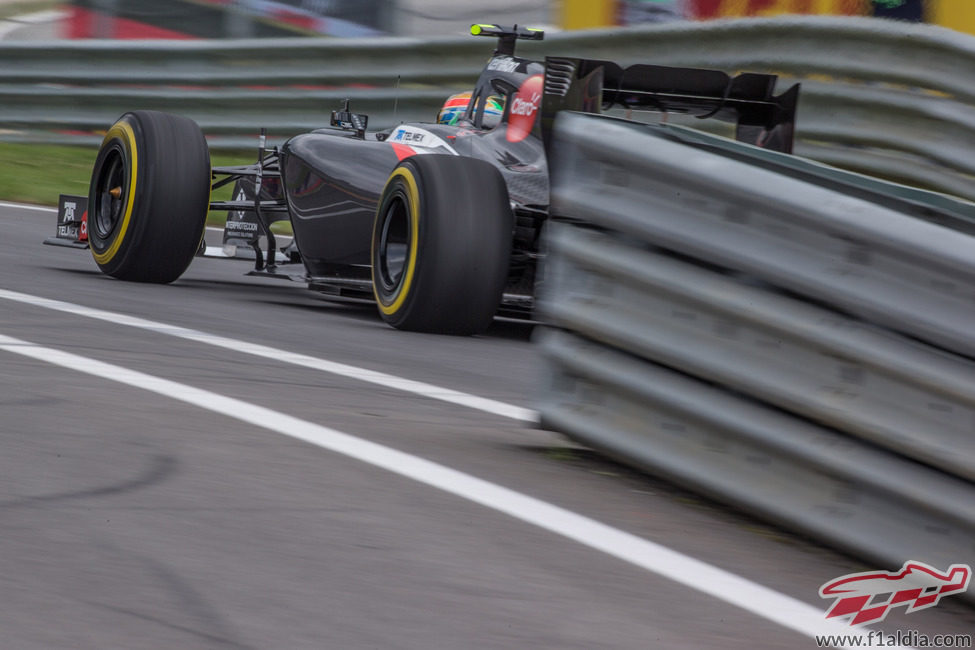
pixel 454 108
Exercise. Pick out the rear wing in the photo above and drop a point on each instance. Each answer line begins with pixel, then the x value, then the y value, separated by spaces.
pixel 592 86
pixel 507 36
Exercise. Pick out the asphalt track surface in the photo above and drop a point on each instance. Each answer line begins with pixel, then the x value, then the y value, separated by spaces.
pixel 129 519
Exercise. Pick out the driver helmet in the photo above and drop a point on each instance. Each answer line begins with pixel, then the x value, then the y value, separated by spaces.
pixel 454 108
pixel 456 105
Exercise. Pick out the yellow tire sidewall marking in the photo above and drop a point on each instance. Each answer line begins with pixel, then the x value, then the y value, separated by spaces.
pixel 124 132
pixel 414 213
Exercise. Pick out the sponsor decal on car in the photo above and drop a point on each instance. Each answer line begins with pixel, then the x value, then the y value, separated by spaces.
pixel 241 228
pixel 73 218
pixel 419 140
pixel 503 64
pixel 524 109
pixel 409 136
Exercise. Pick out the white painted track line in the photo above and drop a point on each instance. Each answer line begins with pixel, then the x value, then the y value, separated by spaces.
pixel 24 206
pixel 45 208
pixel 344 370
pixel 732 589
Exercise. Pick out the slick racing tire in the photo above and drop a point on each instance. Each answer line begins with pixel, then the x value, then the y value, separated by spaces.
pixel 441 245
pixel 149 197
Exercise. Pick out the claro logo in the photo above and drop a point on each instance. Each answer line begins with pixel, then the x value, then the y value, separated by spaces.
pixel 524 109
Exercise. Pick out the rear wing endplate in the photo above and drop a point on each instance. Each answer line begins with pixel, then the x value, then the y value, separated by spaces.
pixel 592 86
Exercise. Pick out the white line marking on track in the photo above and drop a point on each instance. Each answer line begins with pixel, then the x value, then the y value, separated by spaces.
pixel 24 206
pixel 255 349
pixel 45 208
pixel 700 576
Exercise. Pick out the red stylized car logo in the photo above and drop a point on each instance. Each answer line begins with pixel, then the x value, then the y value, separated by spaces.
pixel 917 585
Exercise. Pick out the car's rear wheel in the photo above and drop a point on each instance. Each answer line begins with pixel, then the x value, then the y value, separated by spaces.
pixel 149 197
pixel 441 244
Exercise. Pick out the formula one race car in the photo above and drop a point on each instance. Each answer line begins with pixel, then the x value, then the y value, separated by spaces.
pixel 438 223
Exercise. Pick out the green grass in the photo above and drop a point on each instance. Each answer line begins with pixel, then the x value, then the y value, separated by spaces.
pixel 31 173
pixel 38 173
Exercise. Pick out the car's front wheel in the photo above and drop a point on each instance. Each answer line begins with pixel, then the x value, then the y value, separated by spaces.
pixel 441 244
pixel 149 197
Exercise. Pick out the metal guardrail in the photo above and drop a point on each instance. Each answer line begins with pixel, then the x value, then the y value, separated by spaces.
pixel 758 333
pixel 884 97
pixel 883 257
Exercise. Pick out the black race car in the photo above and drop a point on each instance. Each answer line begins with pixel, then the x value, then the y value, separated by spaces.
pixel 438 223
